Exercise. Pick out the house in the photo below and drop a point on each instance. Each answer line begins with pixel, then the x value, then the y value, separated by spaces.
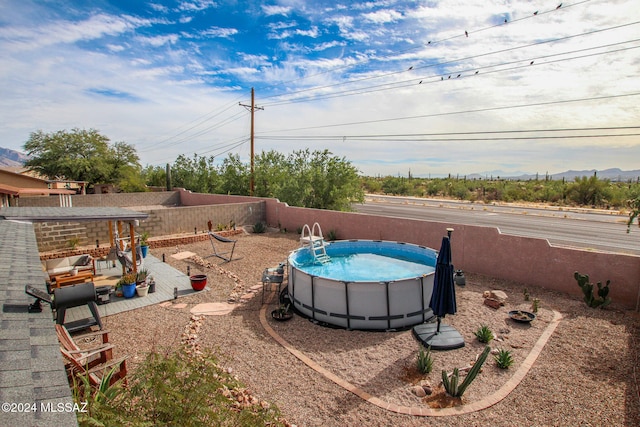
pixel 14 185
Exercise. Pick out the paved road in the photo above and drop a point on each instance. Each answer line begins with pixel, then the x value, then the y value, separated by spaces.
pixel 602 230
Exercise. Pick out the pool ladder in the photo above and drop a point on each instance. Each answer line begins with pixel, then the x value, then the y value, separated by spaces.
pixel 315 242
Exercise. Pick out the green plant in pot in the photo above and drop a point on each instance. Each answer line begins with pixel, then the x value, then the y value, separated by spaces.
pixel 141 277
pixel 144 243
pixel 128 282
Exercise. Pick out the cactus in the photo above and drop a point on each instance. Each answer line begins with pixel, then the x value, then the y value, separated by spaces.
pixel 602 300
pixel 451 385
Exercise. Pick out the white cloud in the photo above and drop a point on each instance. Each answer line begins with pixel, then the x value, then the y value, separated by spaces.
pixel 66 32
pixel 196 6
pixel 312 32
pixel 275 10
pixel 115 48
pixel 219 32
pixel 382 16
pixel 157 41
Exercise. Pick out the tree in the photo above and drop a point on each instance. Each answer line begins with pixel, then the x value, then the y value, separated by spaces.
pixel 588 191
pixel 319 180
pixel 234 176
pixel 79 155
pixel 155 176
pixel 269 172
pixel 196 174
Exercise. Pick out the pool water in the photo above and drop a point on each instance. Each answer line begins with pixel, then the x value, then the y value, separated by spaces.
pixel 367 267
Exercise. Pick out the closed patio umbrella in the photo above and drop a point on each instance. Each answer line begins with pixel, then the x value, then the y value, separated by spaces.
pixel 443 301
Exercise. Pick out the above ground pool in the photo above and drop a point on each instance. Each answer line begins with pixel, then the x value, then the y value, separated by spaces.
pixel 363 284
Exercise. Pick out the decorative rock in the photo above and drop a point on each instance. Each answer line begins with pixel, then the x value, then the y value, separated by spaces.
pixel 418 391
pixel 493 303
pixel 427 390
pixel 496 295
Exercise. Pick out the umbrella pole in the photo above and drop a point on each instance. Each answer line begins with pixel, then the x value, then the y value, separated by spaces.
pixel 438 327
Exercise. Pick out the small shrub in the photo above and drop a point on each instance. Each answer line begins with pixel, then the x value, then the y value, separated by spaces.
pixel 503 359
pixel 425 361
pixel 73 242
pixel 332 235
pixel 484 334
pixel 177 389
pixel 260 227
pixel 299 230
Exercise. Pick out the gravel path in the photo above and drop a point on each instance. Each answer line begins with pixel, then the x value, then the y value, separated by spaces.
pixel 586 375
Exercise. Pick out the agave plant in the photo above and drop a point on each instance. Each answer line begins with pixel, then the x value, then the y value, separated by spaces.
pixel 425 361
pixel 484 334
pixel 503 359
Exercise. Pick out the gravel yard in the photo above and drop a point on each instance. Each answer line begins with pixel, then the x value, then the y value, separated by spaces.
pixel 587 373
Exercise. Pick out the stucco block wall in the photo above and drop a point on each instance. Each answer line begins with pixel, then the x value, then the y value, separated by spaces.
pixel 475 249
pixel 482 250
pixel 123 200
pixel 161 222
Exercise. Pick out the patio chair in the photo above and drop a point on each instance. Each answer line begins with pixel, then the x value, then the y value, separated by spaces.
pixel 94 362
pixel 101 350
pixel 79 367
pixel 221 239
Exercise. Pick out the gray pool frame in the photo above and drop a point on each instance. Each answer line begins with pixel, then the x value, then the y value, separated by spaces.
pixel 368 305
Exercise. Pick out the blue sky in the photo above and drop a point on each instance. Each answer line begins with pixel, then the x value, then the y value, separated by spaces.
pixel 431 87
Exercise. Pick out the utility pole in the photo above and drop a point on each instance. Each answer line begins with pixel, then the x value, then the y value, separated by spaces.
pixel 252 108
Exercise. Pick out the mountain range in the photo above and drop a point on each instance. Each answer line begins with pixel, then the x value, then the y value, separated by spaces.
pixel 12 158
pixel 612 174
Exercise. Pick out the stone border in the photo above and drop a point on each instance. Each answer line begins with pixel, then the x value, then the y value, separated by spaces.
pixel 485 403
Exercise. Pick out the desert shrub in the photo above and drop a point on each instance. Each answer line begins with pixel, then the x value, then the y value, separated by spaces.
pixel 178 388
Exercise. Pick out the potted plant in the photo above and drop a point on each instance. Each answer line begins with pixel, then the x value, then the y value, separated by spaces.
pixel 142 289
pixel 282 313
pixel 128 282
pixel 141 277
pixel 152 284
pixel 144 243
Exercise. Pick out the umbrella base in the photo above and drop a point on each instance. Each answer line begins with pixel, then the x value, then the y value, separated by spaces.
pixel 448 338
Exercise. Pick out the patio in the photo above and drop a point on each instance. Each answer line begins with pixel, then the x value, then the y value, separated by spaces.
pixel 166 277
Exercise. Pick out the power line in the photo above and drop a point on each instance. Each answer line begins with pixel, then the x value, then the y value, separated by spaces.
pixel 198 121
pixel 429 43
pixel 531 62
pixel 358 91
pixel 442 134
pixel 449 113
